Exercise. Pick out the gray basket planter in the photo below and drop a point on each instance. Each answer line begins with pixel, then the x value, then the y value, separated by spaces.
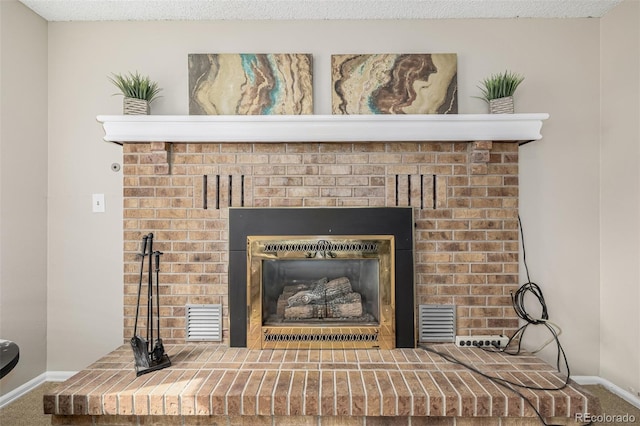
pixel 133 106
pixel 501 105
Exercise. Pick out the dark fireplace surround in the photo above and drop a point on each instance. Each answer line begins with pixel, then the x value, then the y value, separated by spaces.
pixel 392 221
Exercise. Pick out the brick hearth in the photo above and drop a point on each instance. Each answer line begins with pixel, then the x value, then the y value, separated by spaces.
pixel 210 384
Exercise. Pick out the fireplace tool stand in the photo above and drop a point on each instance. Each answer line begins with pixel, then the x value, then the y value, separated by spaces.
pixel 149 355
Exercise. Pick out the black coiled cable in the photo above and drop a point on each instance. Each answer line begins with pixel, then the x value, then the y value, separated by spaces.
pixel 518 303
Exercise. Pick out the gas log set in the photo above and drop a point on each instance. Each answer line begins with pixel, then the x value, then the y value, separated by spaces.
pixel 321 299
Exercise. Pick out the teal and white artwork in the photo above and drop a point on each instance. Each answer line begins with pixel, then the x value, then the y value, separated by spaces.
pixel 250 84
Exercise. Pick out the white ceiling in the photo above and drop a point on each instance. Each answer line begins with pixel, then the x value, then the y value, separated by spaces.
pixel 148 10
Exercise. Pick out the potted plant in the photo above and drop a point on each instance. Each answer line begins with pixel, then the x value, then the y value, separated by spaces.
pixel 497 91
pixel 139 91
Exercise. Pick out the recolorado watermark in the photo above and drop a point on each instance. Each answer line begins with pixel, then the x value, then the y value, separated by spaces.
pixel 605 418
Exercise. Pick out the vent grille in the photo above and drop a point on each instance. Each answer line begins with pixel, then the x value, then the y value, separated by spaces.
pixel 322 246
pixel 321 337
pixel 437 323
pixel 204 322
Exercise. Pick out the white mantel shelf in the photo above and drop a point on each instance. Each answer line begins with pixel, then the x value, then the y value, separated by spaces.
pixel 520 128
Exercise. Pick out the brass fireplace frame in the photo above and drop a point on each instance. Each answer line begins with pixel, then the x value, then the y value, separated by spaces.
pixel 300 335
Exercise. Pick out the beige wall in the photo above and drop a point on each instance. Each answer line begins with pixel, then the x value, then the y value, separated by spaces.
pixel 559 175
pixel 23 189
pixel 620 198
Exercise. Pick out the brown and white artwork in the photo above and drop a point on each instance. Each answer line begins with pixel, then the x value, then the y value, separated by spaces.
pixel 394 84
pixel 250 84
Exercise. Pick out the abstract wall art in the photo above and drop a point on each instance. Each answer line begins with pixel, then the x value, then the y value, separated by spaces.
pixel 394 84
pixel 250 84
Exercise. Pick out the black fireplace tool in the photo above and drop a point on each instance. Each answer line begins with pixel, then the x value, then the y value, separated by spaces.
pixel 148 358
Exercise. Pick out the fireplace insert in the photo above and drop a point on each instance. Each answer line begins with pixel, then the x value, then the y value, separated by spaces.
pixel 342 276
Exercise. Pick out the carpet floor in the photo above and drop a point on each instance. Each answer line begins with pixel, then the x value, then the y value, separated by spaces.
pixel 28 410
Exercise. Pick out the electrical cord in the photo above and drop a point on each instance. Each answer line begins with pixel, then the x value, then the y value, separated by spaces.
pixel 497 380
pixel 552 339
pixel 517 300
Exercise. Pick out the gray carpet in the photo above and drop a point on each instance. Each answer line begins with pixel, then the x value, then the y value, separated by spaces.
pixel 27 411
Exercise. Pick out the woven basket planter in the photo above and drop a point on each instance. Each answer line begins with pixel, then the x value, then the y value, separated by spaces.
pixel 501 105
pixel 133 106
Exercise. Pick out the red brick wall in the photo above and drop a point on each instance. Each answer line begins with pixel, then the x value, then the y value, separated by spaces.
pixel 465 199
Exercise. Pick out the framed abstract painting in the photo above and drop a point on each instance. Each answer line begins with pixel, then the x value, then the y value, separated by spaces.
pixel 394 83
pixel 250 84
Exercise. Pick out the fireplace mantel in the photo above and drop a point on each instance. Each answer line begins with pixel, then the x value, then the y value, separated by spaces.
pixel 520 128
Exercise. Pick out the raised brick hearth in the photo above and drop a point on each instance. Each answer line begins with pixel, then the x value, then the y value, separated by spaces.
pixel 216 385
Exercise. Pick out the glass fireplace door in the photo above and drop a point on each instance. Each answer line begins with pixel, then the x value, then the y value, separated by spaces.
pixel 320 292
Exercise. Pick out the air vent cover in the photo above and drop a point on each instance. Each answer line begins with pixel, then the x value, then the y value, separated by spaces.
pixel 204 322
pixel 437 323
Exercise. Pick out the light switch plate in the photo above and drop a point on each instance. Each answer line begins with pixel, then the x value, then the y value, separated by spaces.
pixel 98 203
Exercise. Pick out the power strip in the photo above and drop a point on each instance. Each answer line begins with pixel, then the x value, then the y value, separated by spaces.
pixel 495 341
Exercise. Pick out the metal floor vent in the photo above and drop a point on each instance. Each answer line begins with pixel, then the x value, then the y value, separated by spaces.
pixel 437 323
pixel 204 322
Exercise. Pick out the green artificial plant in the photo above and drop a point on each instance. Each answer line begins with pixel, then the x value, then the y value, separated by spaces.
pixel 134 85
pixel 500 85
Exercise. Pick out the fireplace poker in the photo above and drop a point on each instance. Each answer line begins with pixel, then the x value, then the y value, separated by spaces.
pixel 158 349
pixel 150 297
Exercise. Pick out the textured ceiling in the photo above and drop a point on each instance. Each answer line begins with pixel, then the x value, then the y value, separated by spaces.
pixel 139 10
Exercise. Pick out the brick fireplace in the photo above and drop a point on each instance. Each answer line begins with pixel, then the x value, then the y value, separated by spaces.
pixel 457 177
pixel 464 197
